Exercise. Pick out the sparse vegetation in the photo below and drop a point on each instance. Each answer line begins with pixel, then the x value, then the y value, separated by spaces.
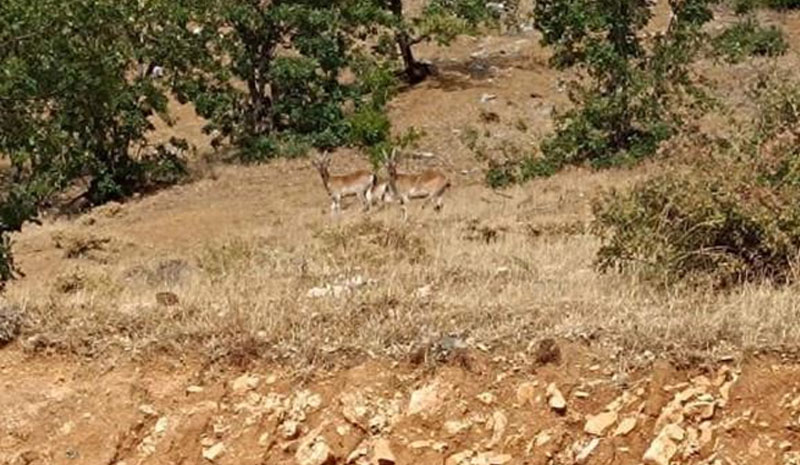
pixel 747 38
pixel 731 219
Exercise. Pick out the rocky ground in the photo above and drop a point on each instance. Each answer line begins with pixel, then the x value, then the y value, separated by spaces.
pixel 571 407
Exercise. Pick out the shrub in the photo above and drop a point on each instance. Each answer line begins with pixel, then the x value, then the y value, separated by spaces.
pixel 783 4
pixel 726 219
pixel 748 38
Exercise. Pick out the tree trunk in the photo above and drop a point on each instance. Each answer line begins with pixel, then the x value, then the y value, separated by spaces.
pixel 415 71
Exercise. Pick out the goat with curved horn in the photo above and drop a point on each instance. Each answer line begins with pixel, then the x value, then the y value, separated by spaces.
pixel 359 183
pixel 429 185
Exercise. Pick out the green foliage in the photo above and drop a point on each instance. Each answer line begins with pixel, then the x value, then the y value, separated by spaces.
pixel 783 4
pixel 625 110
pixel 725 220
pixel 78 93
pixel 269 80
pixel 747 38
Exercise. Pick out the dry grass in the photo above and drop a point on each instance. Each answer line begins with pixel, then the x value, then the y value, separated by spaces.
pixel 415 284
pixel 504 270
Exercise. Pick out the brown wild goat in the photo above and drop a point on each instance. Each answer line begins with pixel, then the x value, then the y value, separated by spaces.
pixel 359 183
pixel 429 185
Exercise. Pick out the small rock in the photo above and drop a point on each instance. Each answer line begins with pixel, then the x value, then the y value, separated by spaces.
pixel 664 446
pixel 625 426
pixel 194 389
pixel 214 452
pixel 525 393
pixel 598 424
pixel 244 383
pixel 148 410
pixel 487 398
pixel 161 425
pixel 356 454
pixel 263 440
pixel 382 453
pixel 555 399
pixel 487 97
pixel 461 458
pixel 378 423
pixel 439 447
pixel 314 450
pixel 490 458
pixel 702 410
pixel 542 439
pixel 785 446
pixel 427 399
pixel 423 444
pixel 499 422
pixel 587 451
pixel 289 430
pixel 454 427
pixel 581 394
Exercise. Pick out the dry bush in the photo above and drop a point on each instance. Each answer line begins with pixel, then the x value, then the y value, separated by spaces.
pixel 729 219
pixel 10 324
pixel 80 245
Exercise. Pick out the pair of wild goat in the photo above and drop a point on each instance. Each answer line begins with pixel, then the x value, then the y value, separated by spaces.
pixel 429 185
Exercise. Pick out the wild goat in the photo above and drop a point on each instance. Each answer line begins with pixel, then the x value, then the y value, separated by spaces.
pixel 358 183
pixel 429 185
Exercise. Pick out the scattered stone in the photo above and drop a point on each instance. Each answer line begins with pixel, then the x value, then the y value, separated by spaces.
pixel 148 410
pixel 423 444
pixel 542 439
pixel 490 458
pixel 378 423
pixel 487 97
pixel 461 458
pixel 785 446
pixel 499 422
pixel 194 389
pixel 625 426
pixel 454 427
pixel 439 447
pixel 555 399
pixel 427 399
pixel 214 452
pixel 487 398
pixel 314 450
pixel 526 393
pixel 598 424
pixel 664 446
pixel 581 394
pixel 263 440
pixel 161 425
pixel 356 454
pixel 587 451
pixel 289 429
pixel 244 383
pixel 702 410
pixel 382 453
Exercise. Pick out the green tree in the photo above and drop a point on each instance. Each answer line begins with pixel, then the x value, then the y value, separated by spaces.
pixel 436 20
pixel 77 99
pixel 622 112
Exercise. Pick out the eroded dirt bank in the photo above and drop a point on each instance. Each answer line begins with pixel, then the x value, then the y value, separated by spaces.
pixel 476 409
